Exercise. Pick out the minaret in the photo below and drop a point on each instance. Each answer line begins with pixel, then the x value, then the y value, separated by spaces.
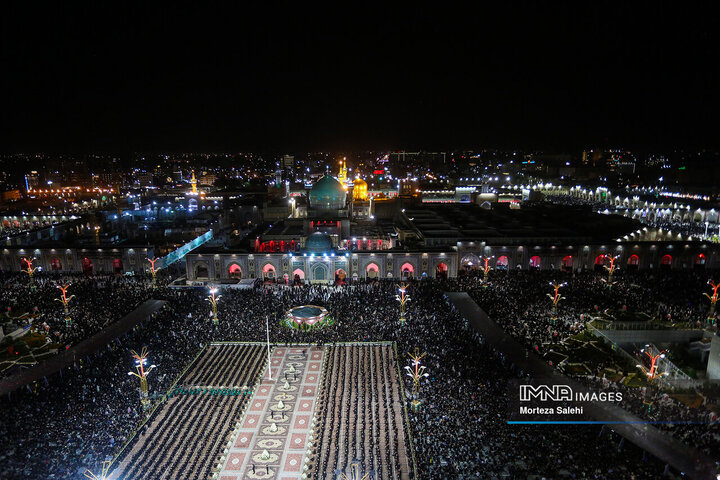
pixel 193 182
pixel 342 176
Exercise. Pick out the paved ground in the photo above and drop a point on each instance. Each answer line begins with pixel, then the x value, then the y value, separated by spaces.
pixel 296 376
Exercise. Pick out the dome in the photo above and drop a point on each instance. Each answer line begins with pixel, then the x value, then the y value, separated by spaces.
pixel 318 242
pixel 360 189
pixel 327 194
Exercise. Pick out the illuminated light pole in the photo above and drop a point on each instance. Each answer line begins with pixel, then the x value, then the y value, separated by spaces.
pixel 140 362
pixel 417 373
pixel 30 270
pixel 555 296
pixel 65 300
pixel 402 298
pixel 652 372
pixel 104 473
pixel 213 303
pixel 713 298
pixel 486 268
pixel 611 268
pixel 152 269
pixel 355 473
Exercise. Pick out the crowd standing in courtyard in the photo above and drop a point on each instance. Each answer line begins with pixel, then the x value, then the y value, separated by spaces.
pixel 76 419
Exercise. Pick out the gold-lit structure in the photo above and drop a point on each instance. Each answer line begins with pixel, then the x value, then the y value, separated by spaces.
pixel 342 174
pixel 402 298
pixel 417 372
pixel 142 373
pixel 213 304
pixel 104 473
pixel 64 299
pixel 193 184
pixel 360 190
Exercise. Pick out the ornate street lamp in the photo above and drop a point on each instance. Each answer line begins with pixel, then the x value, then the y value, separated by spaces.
pixel 142 373
pixel 654 357
pixel 213 303
pixel 486 268
pixel 104 473
pixel 713 299
pixel 416 371
pixel 30 270
pixel 355 473
pixel 611 268
pixel 556 297
pixel 64 299
pixel 402 298
pixel 152 269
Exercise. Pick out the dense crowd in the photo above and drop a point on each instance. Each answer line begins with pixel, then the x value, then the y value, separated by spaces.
pixel 96 302
pixel 57 428
pixel 675 297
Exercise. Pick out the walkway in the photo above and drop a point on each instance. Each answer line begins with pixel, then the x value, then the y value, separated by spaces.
pixel 661 445
pixel 280 430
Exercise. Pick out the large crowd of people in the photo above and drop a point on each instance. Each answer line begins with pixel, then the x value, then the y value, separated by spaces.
pixel 76 419
pixel 93 304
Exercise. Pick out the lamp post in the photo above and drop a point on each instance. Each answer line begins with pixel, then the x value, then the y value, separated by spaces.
pixel 64 299
pixel 654 357
pixel 713 299
pixel 30 270
pixel 213 303
pixel 555 296
pixel 103 473
pixel 611 268
pixel 152 270
pixel 486 268
pixel 142 373
pixel 355 473
pixel 417 373
pixel 402 298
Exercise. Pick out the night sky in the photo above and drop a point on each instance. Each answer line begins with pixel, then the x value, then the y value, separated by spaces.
pixel 555 76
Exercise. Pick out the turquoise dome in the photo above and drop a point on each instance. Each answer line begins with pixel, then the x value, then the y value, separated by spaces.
pixel 327 194
pixel 318 242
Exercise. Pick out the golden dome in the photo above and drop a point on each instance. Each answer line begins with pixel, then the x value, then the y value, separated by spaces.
pixel 360 189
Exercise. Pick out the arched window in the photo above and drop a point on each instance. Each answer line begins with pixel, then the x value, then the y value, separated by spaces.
pixel 600 259
pixel 372 271
pixel 407 270
pixel 235 271
pixel 269 271
pixel 201 271
pixel 535 262
pixel 502 263
pixel 700 260
pixel 55 264
pixel 441 271
pixel 567 263
pixel 340 276
pixel 87 265
pixel 117 265
pixel 633 260
pixel 666 261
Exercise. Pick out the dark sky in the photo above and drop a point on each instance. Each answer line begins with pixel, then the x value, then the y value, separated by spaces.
pixel 554 76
